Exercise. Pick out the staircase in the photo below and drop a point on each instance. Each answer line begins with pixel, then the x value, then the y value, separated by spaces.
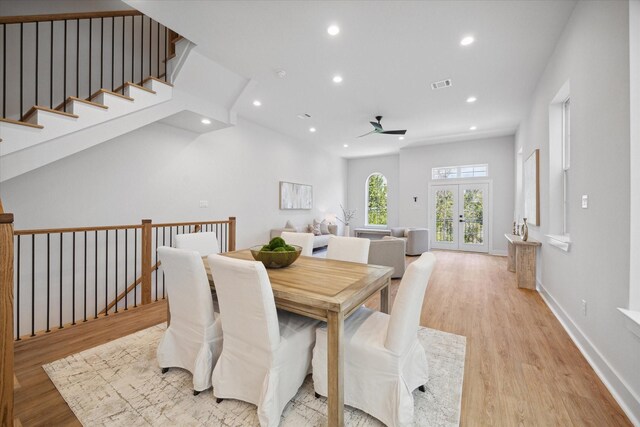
pixel 67 78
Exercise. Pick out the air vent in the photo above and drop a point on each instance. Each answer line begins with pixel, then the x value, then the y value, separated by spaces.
pixel 441 84
pixel 304 116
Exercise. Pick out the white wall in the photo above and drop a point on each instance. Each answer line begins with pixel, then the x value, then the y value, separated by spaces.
pixel 593 54
pixel 162 173
pixel 634 74
pixel 359 171
pixel 415 176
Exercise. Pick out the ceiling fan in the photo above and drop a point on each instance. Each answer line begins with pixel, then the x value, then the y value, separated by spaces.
pixel 377 128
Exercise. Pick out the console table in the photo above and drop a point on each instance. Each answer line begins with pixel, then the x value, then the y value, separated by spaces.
pixel 522 260
pixel 375 233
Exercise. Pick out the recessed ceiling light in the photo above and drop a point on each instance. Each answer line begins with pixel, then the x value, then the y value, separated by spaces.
pixel 473 128
pixel 346 145
pixel 312 130
pixel 337 79
pixel 466 41
pixel 333 30
pixel 257 103
pixel 206 121
pixel 401 138
pixel 471 99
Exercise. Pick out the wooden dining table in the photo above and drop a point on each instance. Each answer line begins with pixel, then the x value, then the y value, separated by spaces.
pixel 330 291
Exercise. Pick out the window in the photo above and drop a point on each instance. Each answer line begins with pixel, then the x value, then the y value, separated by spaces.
pixel 376 197
pixel 566 140
pixel 453 172
pixel 559 163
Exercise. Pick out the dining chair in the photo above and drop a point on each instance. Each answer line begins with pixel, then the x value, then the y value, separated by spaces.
pixel 384 362
pixel 305 240
pixel 193 340
pixel 204 243
pixel 267 353
pixel 352 249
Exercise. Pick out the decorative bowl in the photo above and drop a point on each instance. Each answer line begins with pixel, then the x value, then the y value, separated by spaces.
pixel 273 259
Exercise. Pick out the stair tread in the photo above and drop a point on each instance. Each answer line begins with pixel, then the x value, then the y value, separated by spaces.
pixel 173 55
pixel 18 122
pixel 156 79
pixel 140 87
pixel 84 101
pixel 119 95
pixel 35 108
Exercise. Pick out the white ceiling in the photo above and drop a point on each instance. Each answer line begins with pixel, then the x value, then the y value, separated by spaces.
pixel 388 53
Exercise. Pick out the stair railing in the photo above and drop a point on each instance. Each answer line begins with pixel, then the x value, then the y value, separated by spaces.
pixel 67 276
pixel 48 58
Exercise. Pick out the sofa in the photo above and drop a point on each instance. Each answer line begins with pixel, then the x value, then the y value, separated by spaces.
pixel 319 241
pixel 388 251
pixel 417 239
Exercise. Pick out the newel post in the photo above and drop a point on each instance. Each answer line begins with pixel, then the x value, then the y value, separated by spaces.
pixel 6 319
pixel 146 261
pixel 232 233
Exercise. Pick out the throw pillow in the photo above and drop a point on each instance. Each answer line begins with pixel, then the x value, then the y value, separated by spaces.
pixel 289 225
pixel 324 227
pixel 315 229
pixel 406 232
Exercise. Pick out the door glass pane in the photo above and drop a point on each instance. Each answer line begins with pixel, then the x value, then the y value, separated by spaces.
pixel 473 214
pixel 444 216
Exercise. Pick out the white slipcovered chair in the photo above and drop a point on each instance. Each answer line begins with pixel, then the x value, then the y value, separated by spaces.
pixel 384 361
pixel 193 340
pixel 267 353
pixel 352 249
pixel 301 239
pixel 204 243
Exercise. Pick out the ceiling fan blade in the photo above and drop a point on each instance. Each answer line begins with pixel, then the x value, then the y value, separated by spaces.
pixel 368 133
pixel 394 132
pixel 377 126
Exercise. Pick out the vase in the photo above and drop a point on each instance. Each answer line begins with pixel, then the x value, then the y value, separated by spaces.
pixel 525 230
pixel 347 231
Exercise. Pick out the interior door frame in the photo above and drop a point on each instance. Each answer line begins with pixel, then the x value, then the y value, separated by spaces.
pixel 471 181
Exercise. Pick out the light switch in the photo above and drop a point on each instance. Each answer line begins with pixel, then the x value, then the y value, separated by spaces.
pixel 204 203
pixel 585 201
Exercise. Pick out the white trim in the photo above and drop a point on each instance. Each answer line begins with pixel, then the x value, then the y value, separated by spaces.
pixel 560 242
pixel 632 320
pixel 621 392
pixel 498 252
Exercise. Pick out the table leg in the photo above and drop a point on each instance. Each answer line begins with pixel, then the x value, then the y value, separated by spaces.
pixel 385 298
pixel 511 258
pixel 335 359
pixel 526 267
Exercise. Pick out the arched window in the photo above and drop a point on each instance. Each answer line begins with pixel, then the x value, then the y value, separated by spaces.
pixel 376 199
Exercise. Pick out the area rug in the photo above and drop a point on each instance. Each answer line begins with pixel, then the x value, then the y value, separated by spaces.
pixel 120 384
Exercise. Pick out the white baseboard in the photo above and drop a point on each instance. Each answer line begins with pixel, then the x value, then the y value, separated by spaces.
pixel 628 401
pixel 498 252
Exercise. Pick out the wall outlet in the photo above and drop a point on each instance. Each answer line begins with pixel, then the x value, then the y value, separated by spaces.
pixel 204 203
pixel 585 201
pixel 584 308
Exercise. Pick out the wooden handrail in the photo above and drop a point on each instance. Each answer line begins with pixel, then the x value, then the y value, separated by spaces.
pixel 24 19
pixel 75 229
pixel 6 318
pixel 178 224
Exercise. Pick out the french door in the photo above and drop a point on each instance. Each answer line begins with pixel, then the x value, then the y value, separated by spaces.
pixel 459 217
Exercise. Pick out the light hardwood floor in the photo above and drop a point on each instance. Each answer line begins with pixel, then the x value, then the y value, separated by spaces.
pixel 521 367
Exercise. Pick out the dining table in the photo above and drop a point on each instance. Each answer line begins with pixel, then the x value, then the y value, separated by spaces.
pixel 330 291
